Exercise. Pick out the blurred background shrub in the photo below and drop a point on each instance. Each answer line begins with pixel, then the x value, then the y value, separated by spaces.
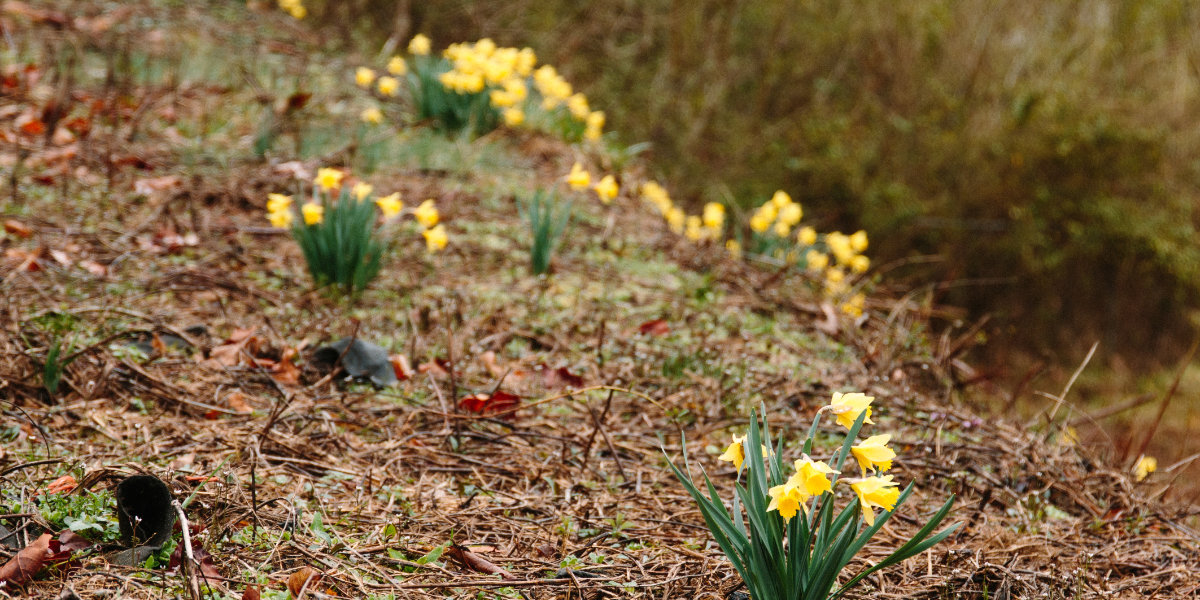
pixel 1044 152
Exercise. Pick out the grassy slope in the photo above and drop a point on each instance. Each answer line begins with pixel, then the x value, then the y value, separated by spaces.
pixel 570 480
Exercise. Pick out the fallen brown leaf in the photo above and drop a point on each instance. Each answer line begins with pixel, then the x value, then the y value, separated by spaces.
pixel 237 401
pixel 561 377
pixel 484 404
pixel 17 228
pixel 657 327
pixel 21 568
pixel 285 372
pixel 478 563
pixel 401 366
pixel 303 579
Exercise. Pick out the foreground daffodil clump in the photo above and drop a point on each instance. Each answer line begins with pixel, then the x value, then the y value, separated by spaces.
pixel 780 531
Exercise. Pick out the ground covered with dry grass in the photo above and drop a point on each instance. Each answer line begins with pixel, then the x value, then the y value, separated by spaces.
pixel 135 241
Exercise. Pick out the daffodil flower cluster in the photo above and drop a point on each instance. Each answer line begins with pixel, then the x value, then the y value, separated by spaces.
pixel 579 179
pixel 556 91
pixel 337 228
pixel 780 530
pixel 707 226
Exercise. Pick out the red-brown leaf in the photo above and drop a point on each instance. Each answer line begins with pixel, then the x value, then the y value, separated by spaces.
pixel 561 377
pixel 297 580
pixel 401 366
pixel 484 404
pixel 657 327
pixel 251 593
pixel 21 568
pixel 17 228
pixel 284 371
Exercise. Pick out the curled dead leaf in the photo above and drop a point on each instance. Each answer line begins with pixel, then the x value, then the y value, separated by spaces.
pixel 478 563
pixel 302 580
pixel 489 404
pixel 17 228
pixel 402 366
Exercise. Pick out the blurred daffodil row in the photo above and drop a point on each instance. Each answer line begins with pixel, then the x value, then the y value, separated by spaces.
pixel 503 76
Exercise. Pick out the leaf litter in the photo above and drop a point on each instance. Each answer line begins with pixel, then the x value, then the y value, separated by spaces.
pixel 412 482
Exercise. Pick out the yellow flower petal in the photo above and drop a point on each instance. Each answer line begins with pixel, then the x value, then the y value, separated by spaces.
pixel 848 406
pixel 313 213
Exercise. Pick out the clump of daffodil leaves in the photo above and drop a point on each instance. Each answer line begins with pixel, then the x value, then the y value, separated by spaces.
pixel 780 531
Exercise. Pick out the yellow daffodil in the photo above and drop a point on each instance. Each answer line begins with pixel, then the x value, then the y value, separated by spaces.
pixel 419 45
pixel 781 199
pixel 816 261
pixel 577 104
pixel 841 247
pixel 327 179
pixel 426 214
pixel 1144 467
pixel 313 213
pixel 514 117
pixel 854 306
pixel 281 218
pixel 873 453
pixel 791 214
pixel 693 228
pixel 516 88
pixel 835 281
pixel 878 492
pixel 294 8
pixel 526 60
pixel 848 406
pixel 595 125
pixel 656 195
pixel 734 247
pixel 501 99
pixel 813 476
pixel 759 222
pixel 764 217
pixel 361 190
pixel 714 215
pixel 735 453
pixel 435 238
pixel 372 115
pixel 860 264
pixel 675 219
pixel 578 179
pixel 390 205
pixel 788 499
pixel 278 202
pixel 363 76
pixel 607 189
pixel 388 85
pixel 397 66
pixel 858 241
pixel 806 236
